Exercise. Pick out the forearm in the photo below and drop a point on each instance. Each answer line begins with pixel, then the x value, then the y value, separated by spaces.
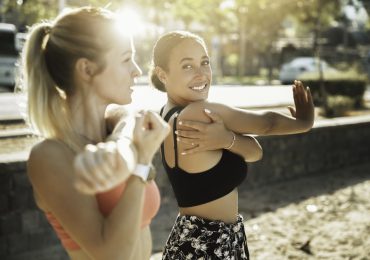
pixel 281 124
pixel 247 147
pixel 122 135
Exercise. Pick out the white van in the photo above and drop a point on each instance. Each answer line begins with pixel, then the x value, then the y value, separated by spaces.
pixel 8 54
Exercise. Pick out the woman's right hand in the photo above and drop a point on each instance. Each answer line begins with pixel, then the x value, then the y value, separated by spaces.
pixel 205 136
pixel 96 168
pixel 149 132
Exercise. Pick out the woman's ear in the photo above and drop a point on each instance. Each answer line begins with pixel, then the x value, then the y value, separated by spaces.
pixel 85 69
pixel 161 74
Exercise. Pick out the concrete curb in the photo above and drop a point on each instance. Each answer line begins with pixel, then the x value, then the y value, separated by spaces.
pixel 15 132
pixel 339 121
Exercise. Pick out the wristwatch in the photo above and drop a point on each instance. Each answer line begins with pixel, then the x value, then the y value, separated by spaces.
pixel 146 172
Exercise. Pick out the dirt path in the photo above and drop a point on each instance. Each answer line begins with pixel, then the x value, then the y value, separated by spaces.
pixel 318 217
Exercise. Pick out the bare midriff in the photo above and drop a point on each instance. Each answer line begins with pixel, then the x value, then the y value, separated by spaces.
pixel 224 209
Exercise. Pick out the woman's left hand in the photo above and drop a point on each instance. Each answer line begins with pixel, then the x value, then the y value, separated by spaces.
pixel 204 136
pixel 304 107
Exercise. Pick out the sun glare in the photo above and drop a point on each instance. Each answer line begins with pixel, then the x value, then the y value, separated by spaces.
pixel 129 22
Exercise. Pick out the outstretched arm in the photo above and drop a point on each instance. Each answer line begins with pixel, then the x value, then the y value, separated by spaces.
pixel 211 130
pixel 270 122
pixel 264 122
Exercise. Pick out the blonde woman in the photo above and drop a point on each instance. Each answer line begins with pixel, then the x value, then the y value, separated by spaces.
pixel 209 225
pixel 95 193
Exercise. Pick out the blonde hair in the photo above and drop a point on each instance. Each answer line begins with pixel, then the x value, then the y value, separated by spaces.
pixel 162 52
pixel 47 67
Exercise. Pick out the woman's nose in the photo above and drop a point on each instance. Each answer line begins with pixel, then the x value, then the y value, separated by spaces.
pixel 137 72
pixel 200 72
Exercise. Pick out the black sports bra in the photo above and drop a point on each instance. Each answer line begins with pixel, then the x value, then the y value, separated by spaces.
pixel 199 188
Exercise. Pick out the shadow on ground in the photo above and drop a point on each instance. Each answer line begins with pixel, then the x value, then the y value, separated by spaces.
pixel 256 201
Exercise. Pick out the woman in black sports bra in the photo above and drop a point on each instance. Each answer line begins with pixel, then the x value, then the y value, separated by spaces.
pixel 205 179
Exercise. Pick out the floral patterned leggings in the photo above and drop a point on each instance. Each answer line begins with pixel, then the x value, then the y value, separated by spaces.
pixel 197 238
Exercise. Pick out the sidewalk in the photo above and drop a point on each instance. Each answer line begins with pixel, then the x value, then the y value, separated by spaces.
pixel 145 97
pixel 238 96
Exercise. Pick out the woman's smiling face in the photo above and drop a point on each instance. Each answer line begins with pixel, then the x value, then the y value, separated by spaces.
pixel 189 73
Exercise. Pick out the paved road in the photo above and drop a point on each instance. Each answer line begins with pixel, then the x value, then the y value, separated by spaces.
pixel 144 97
pixel 11 105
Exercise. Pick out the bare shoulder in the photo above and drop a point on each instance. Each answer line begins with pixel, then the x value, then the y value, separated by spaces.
pixel 47 156
pixel 195 111
pixel 49 148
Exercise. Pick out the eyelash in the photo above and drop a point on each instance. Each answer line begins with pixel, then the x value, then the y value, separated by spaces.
pixel 127 60
pixel 204 63
pixel 131 58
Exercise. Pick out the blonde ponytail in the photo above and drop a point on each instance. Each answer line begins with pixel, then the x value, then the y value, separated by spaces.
pixel 48 112
pixel 48 64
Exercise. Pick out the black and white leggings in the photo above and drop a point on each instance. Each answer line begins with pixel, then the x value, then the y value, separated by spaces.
pixel 196 238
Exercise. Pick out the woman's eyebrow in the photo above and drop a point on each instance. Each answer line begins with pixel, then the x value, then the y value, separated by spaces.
pixel 185 59
pixel 190 59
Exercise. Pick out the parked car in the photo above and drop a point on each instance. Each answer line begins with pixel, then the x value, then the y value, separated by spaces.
pixel 8 54
pixel 291 70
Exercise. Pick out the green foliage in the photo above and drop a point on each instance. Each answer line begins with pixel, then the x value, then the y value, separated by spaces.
pixel 232 59
pixel 338 105
pixel 244 81
pixel 30 12
pixel 348 83
pixel 247 29
pixel 311 12
pixel 348 75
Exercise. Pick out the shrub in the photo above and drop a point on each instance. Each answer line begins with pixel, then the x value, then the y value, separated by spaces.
pixel 337 105
pixel 349 84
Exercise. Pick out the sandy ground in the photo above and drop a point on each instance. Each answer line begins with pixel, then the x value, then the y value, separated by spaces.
pixel 324 216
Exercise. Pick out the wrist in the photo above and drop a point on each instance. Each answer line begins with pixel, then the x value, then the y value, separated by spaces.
pixel 146 172
pixel 144 159
pixel 232 142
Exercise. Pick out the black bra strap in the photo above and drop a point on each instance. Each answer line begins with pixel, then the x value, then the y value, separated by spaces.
pixel 161 112
pixel 171 112
pixel 175 137
pixel 176 111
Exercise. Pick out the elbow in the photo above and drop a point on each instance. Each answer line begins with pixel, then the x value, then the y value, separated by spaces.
pixel 256 154
pixel 255 157
pixel 259 155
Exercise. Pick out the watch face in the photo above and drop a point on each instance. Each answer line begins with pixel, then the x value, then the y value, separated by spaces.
pixel 152 173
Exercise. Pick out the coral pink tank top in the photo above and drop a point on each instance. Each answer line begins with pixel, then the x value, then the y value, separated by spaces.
pixel 106 202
